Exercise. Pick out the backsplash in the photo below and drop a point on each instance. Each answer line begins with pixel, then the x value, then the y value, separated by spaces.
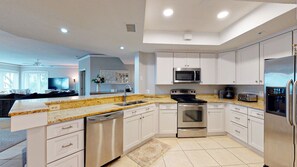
pixel 259 90
pixel 200 89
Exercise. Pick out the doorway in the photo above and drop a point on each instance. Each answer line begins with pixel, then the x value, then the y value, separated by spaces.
pixel 82 83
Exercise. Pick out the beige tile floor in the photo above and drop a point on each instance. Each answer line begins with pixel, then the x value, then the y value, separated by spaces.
pixel 217 151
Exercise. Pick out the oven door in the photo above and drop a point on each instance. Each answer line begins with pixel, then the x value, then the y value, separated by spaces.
pixel 191 115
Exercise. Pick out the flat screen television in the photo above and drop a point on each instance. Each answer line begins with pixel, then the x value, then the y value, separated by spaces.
pixel 58 83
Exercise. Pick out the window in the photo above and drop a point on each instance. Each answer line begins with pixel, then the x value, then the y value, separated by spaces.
pixel 8 80
pixel 36 81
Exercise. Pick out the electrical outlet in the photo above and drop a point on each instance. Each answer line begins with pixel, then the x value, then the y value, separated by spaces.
pixel 54 107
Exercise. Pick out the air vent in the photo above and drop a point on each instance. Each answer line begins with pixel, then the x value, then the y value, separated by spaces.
pixel 131 27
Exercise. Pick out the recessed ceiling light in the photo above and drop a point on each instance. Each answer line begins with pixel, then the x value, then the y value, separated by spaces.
pixel 222 14
pixel 168 12
pixel 64 30
pixel 122 47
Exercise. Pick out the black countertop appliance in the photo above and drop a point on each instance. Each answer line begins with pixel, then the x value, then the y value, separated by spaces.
pixel 229 93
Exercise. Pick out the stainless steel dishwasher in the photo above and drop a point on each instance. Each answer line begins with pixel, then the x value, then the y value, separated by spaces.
pixel 104 138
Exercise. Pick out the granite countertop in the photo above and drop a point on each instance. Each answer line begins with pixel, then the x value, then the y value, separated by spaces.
pixel 82 106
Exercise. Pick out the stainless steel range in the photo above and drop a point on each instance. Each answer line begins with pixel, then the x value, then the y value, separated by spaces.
pixel 191 113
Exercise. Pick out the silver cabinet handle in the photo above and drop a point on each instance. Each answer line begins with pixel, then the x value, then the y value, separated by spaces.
pixel 288 105
pixel 67 127
pixel 68 145
pixel 294 103
pixel 237 131
pixel 237 118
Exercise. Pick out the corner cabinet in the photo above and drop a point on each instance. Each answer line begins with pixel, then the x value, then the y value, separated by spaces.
pixel 164 68
pixel 226 68
pixel 247 65
pixel 208 68
pixel 186 60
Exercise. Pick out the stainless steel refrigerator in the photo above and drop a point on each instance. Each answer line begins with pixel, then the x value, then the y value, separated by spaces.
pixel 280 112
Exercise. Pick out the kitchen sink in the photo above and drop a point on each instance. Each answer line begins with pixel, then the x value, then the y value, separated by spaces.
pixel 130 103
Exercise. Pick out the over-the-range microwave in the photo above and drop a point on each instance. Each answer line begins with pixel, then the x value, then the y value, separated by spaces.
pixel 186 75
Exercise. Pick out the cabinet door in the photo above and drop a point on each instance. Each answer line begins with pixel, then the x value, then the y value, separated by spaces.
pixel 228 119
pixel 168 122
pixel 256 133
pixel 226 68
pixel 247 65
pixel 279 46
pixel 132 131
pixel 180 60
pixel 215 121
pixel 164 68
pixel 208 64
pixel 193 60
pixel 73 160
pixel 147 125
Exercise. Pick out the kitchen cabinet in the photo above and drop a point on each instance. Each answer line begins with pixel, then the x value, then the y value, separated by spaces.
pixel 247 65
pixel 256 129
pixel 139 125
pixel 164 68
pixel 226 68
pixel 215 118
pixel 132 132
pixel 186 60
pixel 168 119
pixel 295 37
pixel 208 63
pixel 276 47
pixel 238 124
pixel 227 119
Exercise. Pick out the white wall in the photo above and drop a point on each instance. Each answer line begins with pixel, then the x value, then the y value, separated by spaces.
pixel 57 72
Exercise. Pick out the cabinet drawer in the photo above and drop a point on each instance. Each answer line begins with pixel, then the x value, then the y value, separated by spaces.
pixel 239 132
pixel 139 110
pixel 215 105
pixel 73 160
pixel 65 145
pixel 168 106
pixel 256 113
pixel 64 128
pixel 240 109
pixel 239 118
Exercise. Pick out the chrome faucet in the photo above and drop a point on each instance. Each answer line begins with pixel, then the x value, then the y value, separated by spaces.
pixel 125 92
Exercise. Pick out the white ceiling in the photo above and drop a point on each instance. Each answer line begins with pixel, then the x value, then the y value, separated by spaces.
pixel 195 15
pixel 98 26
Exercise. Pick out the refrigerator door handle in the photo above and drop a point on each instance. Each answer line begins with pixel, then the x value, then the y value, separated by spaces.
pixel 288 105
pixel 294 103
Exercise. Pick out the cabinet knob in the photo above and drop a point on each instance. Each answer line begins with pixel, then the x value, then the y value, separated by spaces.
pixel 260 81
pixel 256 81
pixel 233 81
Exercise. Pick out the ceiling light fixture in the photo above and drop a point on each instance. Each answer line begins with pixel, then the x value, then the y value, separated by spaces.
pixel 64 30
pixel 122 47
pixel 168 12
pixel 222 14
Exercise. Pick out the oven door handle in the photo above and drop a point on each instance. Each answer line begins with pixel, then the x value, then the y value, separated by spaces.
pixel 195 77
pixel 190 105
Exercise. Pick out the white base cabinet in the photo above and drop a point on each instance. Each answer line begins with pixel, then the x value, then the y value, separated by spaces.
pixel 139 125
pixel 215 118
pixel 256 129
pixel 167 119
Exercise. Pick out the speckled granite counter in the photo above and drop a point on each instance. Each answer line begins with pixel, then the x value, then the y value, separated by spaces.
pixel 71 108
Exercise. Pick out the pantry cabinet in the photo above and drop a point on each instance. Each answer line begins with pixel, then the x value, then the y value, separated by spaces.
pixel 247 65
pixel 226 68
pixel 186 60
pixel 164 68
pixel 208 64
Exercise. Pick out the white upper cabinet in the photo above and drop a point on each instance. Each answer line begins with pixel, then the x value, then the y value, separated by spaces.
pixel 186 60
pixel 208 64
pixel 247 65
pixel 279 46
pixel 295 37
pixel 164 68
pixel 226 68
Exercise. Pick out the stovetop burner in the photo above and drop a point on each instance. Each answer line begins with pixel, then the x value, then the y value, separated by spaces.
pixel 185 96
